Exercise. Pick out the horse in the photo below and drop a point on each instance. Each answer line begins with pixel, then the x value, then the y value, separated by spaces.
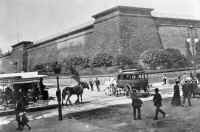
pixel 77 90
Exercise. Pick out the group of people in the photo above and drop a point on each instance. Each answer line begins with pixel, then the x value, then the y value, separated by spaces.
pixel 95 82
pixel 40 91
pixel 21 96
pixel 188 85
pixel 137 104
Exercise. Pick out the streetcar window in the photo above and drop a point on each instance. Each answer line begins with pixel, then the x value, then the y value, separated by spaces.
pixel 132 77
pixel 140 76
pixel 127 77
pixel 120 77
pixel 136 76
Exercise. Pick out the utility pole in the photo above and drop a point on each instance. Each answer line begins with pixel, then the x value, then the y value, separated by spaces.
pixel 57 70
pixel 192 40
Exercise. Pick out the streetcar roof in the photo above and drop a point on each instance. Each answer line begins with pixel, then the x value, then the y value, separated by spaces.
pixel 131 71
pixel 23 75
pixel 25 82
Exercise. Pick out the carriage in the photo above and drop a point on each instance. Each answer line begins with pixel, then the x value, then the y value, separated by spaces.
pixel 15 85
pixel 131 79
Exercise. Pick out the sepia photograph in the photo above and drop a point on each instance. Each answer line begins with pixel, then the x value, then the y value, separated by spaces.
pixel 99 66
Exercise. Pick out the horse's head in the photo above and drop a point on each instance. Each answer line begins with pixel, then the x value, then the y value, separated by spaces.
pixel 84 85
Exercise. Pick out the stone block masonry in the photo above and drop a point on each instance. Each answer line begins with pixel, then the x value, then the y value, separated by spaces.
pixel 119 30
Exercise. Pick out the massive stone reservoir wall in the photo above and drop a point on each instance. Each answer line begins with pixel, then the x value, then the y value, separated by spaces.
pixel 174 32
pixel 138 34
pixel 119 30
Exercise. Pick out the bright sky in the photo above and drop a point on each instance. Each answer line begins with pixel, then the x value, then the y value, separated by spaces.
pixel 33 20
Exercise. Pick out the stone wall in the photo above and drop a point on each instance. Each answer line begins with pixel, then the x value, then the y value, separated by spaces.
pixel 174 32
pixel 16 60
pixel 41 54
pixel 74 45
pixel 173 37
pixel 119 30
pixel 77 44
pixel 106 34
pixel 137 35
pixel 6 65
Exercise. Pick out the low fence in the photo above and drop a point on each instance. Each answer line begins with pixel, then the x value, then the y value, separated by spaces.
pixel 154 76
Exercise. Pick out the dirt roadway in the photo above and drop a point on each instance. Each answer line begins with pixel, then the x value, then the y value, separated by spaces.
pixel 119 119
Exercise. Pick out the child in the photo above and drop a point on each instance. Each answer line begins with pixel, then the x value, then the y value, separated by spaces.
pixel 136 104
pixel 24 120
pixel 157 99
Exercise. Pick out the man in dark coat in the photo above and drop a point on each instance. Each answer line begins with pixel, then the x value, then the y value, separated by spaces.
pixel 194 86
pixel 164 79
pixel 97 82
pixel 157 99
pixel 91 85
pixel 42 87
pixel 136 105
pixel 25 120
pixel 19 108
pixel 187 92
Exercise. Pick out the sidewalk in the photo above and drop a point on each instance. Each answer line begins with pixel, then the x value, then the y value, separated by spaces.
pixel 91 100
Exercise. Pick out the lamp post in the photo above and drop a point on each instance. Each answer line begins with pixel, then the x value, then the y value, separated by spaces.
pixel 192 41
pixel 57 70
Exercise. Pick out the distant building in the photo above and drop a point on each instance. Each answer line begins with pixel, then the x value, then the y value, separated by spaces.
pixel 119 30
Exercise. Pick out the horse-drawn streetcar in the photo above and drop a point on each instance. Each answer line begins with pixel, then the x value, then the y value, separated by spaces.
pixel 17 85
pixel 128 80
pixel 133 79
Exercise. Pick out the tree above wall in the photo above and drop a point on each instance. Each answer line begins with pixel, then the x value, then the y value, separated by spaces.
pixel 102 59
pixel 164 58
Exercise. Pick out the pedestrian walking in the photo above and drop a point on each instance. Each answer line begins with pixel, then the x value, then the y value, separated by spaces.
pixel 164 79
pixel 18 109
pixel 194 86
pixel 97 82
pixel 187 92
pixel 176 100
pixel 136 105
pixel 91 85
pixel 24 121
pixel 157 99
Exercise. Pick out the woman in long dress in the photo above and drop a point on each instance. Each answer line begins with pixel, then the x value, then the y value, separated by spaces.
pixel 176 100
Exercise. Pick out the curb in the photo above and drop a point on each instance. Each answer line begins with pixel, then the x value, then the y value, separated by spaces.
pixel 33 109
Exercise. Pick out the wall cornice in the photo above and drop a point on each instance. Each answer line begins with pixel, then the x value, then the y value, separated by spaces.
pixel 57 41
pixel 82 29
pixel 124 9
pixel 177 22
